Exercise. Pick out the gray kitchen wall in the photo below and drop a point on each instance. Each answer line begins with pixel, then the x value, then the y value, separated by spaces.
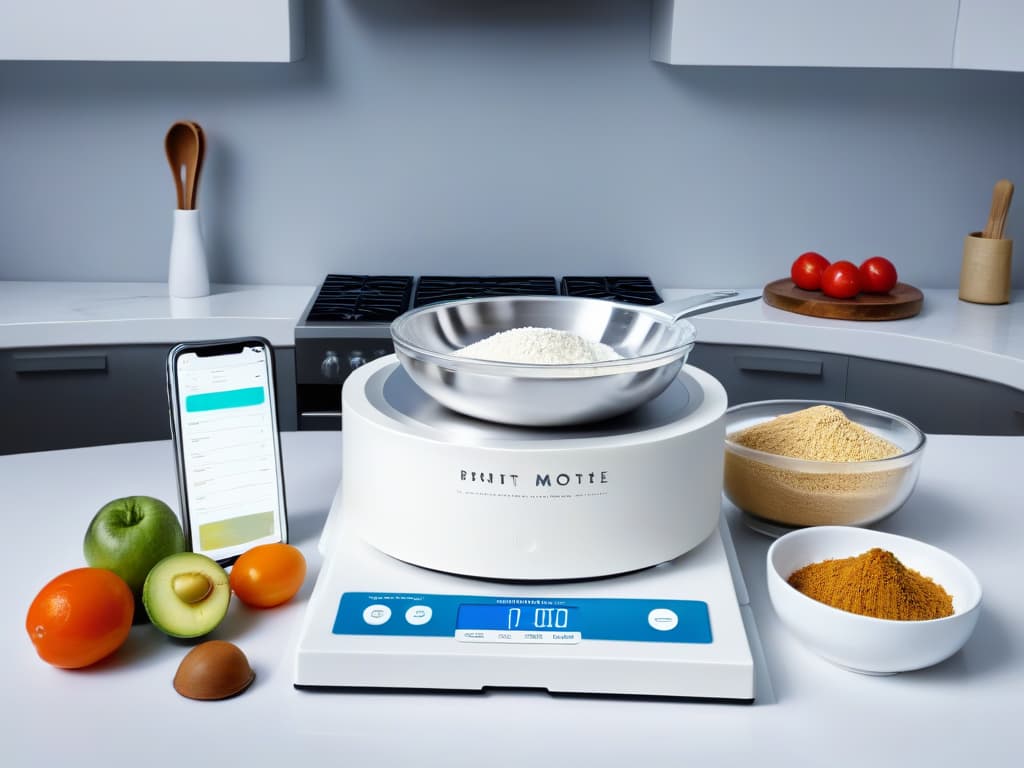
pixel 501 137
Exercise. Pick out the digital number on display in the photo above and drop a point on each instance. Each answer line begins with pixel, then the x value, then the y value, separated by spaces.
pixel 522 618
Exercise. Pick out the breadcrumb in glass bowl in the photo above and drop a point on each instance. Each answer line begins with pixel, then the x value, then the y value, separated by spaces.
pixel 847 464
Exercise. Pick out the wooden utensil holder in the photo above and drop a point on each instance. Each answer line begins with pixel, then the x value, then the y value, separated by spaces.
pixel 985 272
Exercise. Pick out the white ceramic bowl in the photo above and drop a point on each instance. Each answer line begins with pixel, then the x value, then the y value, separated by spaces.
pixel 862 643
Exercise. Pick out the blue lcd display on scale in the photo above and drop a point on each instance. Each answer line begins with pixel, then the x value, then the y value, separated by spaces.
pixel 517 617
pixel 504 619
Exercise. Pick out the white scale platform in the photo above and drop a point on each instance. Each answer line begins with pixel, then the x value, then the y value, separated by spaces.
pixel 720 669
pixel 679 629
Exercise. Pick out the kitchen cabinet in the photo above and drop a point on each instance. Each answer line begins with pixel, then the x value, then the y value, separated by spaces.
pixel 805 33
pixel 988 35
pixel 156 30
pixel 284 383
pixel 72 397
pixel 758 373
pixel 938 402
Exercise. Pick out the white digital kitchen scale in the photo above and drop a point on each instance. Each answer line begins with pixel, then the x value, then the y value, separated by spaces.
pixel 673 626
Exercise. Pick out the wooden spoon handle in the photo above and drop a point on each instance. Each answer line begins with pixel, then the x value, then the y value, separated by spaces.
pixel 190 171
pixel 172 160
pixel 199 162
pixel 1002 194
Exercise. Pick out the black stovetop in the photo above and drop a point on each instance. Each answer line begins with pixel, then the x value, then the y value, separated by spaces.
pixel 360 298
pixel 431 289
pixel 382 298
pixel 628 290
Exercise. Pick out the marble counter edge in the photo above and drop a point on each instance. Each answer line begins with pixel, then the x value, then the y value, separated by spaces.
pixel 971 340
pixel 950 336
pixel 89 314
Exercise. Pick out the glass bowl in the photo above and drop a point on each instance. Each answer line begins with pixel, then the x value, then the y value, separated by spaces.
pixel 778 494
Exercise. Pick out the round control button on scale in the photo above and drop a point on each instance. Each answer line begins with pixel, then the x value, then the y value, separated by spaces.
pixel 376 614
pixel 419 614
pixel 663 619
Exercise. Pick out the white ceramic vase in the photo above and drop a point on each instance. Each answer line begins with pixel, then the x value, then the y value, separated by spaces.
pixel 188 276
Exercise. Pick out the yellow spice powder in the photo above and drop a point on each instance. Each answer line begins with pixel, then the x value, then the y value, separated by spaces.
pixel 876 584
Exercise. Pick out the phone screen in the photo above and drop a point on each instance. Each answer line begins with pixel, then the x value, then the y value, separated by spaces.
pixel 229 448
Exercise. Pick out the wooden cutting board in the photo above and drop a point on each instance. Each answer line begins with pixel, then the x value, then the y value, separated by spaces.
pixel 903 301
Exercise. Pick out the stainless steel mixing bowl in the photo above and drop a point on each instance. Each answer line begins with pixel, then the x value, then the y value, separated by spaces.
pixel 653 341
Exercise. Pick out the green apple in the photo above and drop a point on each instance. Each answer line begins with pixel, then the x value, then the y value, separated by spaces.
pixel 129 536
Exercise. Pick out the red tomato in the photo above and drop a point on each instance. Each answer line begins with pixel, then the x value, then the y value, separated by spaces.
pixel 268 575
pixel 877 275
pixel 841 280
pixel 806 270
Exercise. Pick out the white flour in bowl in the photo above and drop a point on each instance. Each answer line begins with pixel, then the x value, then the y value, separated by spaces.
pixel 545 346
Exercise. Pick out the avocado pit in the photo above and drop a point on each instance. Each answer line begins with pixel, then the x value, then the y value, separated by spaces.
pixel 191 587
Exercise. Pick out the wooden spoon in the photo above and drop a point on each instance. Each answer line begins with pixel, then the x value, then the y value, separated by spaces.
pixel 1002 194
pixel 199 164
pixel 182 146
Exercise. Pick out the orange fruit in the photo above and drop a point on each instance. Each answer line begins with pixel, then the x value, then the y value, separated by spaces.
pixel 80 617
pixel 268 575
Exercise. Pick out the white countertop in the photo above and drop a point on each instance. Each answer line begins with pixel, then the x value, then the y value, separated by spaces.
pixel 35 314
pixel 977 340
pixel 808 712
pixel 984 341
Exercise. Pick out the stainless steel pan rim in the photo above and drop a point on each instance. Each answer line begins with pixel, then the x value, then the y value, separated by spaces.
pixel 683 337
pixel 654 343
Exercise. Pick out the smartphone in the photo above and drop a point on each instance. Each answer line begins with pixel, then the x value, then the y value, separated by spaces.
pixel 228 449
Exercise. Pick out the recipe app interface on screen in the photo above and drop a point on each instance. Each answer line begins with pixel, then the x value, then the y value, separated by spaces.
pixel 229 447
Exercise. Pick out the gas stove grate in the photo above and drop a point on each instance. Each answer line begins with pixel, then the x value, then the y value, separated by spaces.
pixel 361 298
pixel 434 288
pixel 629 290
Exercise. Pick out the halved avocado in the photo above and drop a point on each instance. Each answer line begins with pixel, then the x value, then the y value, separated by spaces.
pixel 186 595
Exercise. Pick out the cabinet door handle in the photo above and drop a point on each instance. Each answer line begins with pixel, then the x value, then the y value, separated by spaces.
pixel 53 363
pixel 779 365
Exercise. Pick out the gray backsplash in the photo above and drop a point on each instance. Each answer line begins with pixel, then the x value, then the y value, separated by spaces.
pixel 501 136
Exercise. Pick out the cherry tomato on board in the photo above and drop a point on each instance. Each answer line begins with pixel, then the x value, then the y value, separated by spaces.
pixel 268 575
pixel 841 280
pixel 806 270
pixel 877 275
